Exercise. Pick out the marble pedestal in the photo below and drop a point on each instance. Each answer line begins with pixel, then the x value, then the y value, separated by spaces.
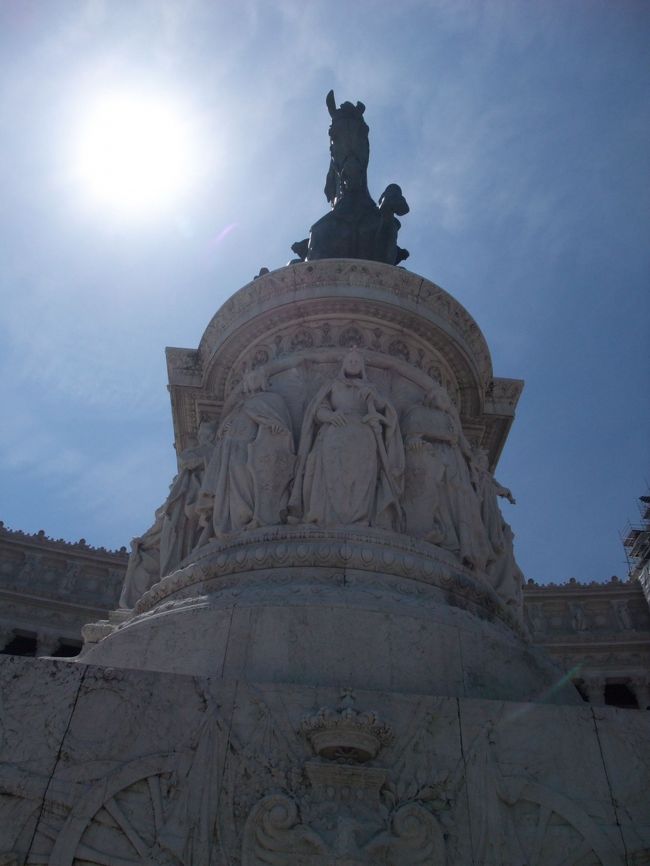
pixel 353 607
pixel 115 766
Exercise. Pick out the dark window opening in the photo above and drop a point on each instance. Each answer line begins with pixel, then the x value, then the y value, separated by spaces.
pixel 67 649
pixel 20 646
pixel 620 695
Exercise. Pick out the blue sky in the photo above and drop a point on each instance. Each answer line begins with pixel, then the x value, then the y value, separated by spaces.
pixel 519 133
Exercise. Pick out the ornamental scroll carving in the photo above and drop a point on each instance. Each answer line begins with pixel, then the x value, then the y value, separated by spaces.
pixel 339 440
pixel 276 834
pixel 344 815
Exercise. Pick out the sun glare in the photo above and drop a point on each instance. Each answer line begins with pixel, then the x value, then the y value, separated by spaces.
pixel 134 153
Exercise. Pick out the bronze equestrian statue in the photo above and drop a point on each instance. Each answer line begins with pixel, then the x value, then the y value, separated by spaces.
pixel 356 227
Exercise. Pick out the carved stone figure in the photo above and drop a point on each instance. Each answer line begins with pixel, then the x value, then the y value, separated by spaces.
pixel 488 489
pixel 143 569
pixel 506 576
pixel 356 227
pixel 71 577
pixel 181 529
pixel 537 618
pixel 31 568
pixel 351 457
pixel 246 484
pixel 622 614
pixel 174 533
pixel 440 503
pixel 578 618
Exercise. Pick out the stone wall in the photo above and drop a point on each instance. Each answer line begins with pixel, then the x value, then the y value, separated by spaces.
pixel 128 767
pixel 599 633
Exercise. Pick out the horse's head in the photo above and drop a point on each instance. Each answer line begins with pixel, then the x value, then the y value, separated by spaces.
pixel 349 149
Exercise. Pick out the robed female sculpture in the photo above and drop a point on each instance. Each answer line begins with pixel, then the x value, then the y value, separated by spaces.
pixel 350 458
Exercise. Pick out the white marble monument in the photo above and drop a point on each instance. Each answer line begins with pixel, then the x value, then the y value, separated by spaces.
pixel 320 655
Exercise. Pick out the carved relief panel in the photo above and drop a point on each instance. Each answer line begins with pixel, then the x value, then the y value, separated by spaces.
pixel 293 341
pixel 265 780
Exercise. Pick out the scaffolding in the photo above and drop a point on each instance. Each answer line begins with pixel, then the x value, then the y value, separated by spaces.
pixel 636 541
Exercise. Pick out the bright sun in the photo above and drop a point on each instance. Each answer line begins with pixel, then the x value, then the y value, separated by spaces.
pixel 134 153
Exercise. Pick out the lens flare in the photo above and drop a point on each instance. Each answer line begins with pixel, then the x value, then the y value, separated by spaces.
pixel 134 153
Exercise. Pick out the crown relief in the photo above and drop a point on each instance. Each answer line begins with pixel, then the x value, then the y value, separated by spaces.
pixel 346 734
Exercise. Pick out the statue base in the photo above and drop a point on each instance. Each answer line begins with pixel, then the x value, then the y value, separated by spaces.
pixel 357 607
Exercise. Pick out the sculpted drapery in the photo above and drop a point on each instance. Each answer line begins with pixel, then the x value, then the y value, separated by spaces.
pixel 353 468
pixel 440 502
pixel 246 484
pixel 181 529
pixel 351 457
pixel 175 531
pixel 143 568
pixel 488 488
pixel 505 575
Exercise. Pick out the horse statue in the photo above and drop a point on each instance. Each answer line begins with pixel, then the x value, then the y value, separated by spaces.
pixel 355 227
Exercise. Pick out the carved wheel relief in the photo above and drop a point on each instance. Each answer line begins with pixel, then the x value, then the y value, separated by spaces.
pixel 548 828
pixel 123 821
pixel 517 819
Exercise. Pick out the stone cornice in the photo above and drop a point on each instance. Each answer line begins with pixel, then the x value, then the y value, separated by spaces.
pixel 574 587
pixel 45 542
pixel 288 550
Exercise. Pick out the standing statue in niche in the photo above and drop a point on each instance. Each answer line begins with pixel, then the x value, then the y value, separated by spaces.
pixel 351 457
pixel 176 530
pixel 355 227
pixel 440 503
pixel 246 484
pixel 505 575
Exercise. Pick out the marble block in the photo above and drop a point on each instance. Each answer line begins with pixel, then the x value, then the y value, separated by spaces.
pixel 115 766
